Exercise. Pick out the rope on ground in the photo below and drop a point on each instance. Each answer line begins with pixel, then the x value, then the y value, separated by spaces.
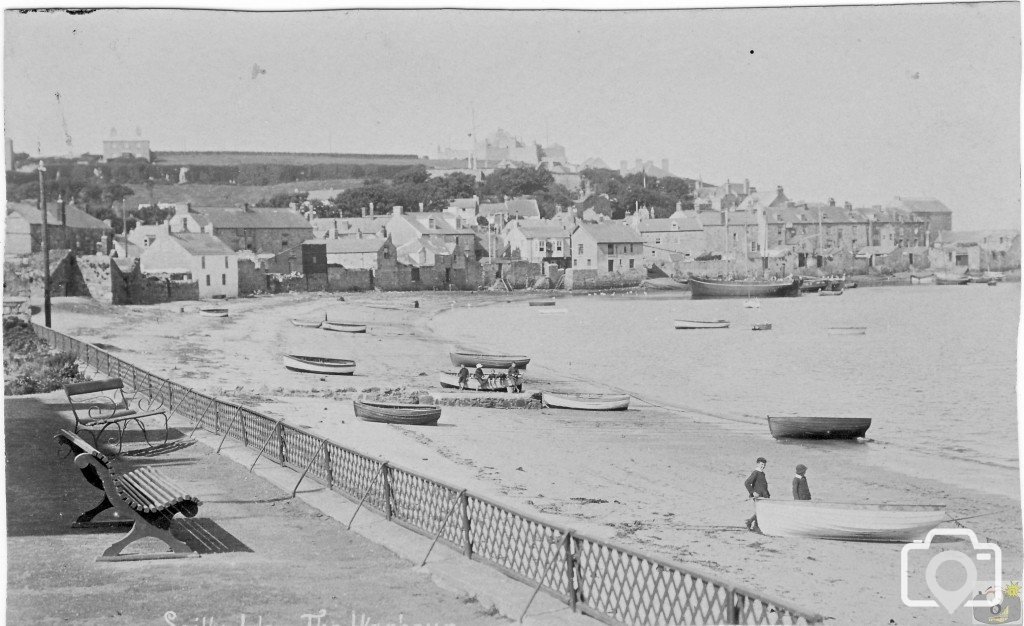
pixel 957 520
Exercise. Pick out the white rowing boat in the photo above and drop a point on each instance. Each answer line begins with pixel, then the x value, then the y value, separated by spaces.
pixel 318 364
pixel 343 328
pixel 848 521
pixel 695 324
pixel 585 401
pixel 213 312
pixel 848 330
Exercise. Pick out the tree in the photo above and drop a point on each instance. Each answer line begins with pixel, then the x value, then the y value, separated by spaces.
pixel 517 181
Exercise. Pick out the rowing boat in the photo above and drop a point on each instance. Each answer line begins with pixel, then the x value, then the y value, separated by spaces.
pixel 831 292
pixel 490 361
pixel 306 323
pixel 695 324
pixel 848 330
pixel 343 328
pixel 394 413
pixel 492 382
pixel 542 303
pixel 585 401
pixel 318 364
pixel 213 312
pixel 848 521
pixel 816 427
pixel 952 279
pixel 762 326
pixel 711 288
pixel 558 311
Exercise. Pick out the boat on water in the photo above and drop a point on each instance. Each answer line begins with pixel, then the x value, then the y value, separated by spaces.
pixel 318 364
pixel 811 285
pixel 816 427
pixel 542 303
pixel 952 279
pixel 714 288
pixel 343 328
pixel 752 303
pixel 996 276
pixel 848 330
pixel 830 292
pixel 585 401
pixel 695 324
pixel 307 323
pixel 491 382
pixel 395 413
pixel 489 361
pixel 213 312
pixel 762 326
pixel 922 279
pixel 847 521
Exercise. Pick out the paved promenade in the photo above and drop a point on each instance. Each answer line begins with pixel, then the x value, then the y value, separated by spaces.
pixel 264 556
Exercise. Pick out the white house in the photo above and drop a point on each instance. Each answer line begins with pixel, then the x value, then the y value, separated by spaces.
pixel 606 247
pixel 538 240
pixel 195 256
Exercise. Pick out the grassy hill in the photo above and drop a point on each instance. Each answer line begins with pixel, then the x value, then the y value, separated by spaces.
pixel 280 158
pixel 230 195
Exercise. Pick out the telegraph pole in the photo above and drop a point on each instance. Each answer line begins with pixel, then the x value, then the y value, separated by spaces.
pixel 46 248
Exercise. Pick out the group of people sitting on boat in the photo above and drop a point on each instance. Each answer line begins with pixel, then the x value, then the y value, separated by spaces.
pixel 511 380
pixel 757 487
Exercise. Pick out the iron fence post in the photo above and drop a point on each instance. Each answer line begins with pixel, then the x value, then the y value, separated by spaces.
pixel 467 541
pixel 328 468
pixel 386 479
pixel 280 443
pixel 570 568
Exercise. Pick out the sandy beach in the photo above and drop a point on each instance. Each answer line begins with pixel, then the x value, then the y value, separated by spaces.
pixel 615 476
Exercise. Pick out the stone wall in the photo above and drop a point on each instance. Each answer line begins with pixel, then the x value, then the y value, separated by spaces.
pixel 23 275
pixel 341 279
pixel 576 279
pixel 128 285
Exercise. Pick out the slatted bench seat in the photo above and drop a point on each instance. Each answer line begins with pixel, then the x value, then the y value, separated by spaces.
pixel 100 404
pixel 144 496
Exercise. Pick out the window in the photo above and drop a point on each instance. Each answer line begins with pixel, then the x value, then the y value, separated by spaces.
pixel 657 240
pixel 575 262
pixel 631 264
pixel 207 280
pixel 753 246
pixel 588 262
pixel 581 248
pixel 202 262
pixel 226 266
pixel 558 245
pixel 540 246
pixel 223 279
pixel 284 243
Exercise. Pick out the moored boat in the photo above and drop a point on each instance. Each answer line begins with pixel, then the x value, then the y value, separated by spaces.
pixel 922 279
pixel 816 427
pixel 752 303
pixel 318 364
pixel 952 279
pixel 811 285
pixel 830 292
pixel 713 288
pixel 996 276
pixel 762 326
pixel 213 312
pixel 849 521
pixel 307 323
pixel 492 382
pixel 695 324
pixel 343 328
pixel 396 413
pixel 585 401
pixel 542 303
pixel 489 361
pixel 848 330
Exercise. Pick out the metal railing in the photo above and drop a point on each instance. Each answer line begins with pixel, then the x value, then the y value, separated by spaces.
pixel 613 584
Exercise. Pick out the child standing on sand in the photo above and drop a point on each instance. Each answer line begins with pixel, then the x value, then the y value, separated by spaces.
pixel 757 487
pixel 800 489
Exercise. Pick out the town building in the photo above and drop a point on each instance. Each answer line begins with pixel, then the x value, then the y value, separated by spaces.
pixel 67 228
pixel 539 241
pixel 263 231
pixel 998 250
pixel 682 233
pixel 357 227
pixel 200 257
pixel 606 247
pixel 126 148
pixel 441 227
pixel 930 211
pixel 500 213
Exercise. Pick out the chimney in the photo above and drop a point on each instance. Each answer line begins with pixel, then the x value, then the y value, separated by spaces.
pixel 63 211
pixel 664 165
pixel 746 186
pixel 421 207
pixel 397 210
pixel 848 205
pixel 245 208
pixel 831 201
pixel 371 209
pixel 728 185
pixel 363 210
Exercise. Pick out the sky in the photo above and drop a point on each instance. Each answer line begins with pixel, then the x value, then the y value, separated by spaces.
pixel 860 104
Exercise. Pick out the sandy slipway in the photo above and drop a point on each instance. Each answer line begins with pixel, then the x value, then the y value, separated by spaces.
pixel 667 482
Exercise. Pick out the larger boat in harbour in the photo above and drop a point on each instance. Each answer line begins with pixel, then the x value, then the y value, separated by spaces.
pixel 716 288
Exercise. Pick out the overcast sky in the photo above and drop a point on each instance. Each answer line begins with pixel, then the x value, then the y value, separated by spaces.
pixel 855 103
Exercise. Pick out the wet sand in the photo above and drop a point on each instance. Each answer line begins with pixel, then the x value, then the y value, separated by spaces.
pixel 661 481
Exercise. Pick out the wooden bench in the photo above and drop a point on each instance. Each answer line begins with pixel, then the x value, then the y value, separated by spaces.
pixel 100 411
pixel 143 496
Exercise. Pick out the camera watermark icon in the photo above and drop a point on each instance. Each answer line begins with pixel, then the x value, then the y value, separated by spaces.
pixel 966 595
pixel 1004 612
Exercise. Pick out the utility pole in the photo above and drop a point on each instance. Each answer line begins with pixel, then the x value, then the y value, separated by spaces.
pixel 46 248
pixel 124 226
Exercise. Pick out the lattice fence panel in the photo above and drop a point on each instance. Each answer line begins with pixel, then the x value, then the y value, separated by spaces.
pixel 528 547
pixel 426 504
pixel 300 448
pixel 635 590
pixel 353 474
pixel 256 427
pixel 757 611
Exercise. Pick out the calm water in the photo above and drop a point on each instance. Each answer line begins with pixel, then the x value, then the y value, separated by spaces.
pixel 936 368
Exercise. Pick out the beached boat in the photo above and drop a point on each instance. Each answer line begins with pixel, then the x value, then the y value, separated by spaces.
pixel 811 285
pixel 585 401
pixel 996 276
pixel 213 312
pixel 712 288
pixel 318 364
pixel 815 427
pixel 695 324
pixel 762 326
pixel 830 292
pixel 952 279
pixel 558 311
pixel 849 521
pixel 752 303
pixel 307 323
pixel 394 413
pixel 922 279
pixel 491 382
pixel 343 328
pixel 848 330
pixel 490 361
pixel 542 303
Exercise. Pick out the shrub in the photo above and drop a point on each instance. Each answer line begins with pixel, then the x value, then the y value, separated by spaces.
pixel 30 366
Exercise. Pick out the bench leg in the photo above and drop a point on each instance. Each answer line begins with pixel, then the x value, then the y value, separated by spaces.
pixel 84 519
pixel 147 528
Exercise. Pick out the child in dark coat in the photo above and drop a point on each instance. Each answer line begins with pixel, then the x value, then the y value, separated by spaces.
pixel 800 489
pixel 757 487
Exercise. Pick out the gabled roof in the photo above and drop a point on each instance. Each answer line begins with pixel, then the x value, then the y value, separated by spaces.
pixel 516 207
pixel 443 224
pixel 76 218
pixel 610 232
pixel 543 229
pixel 683 223
pixel 233 217
pixel 922 205
pixel 202 244
pixel 350 245
pixel 464 203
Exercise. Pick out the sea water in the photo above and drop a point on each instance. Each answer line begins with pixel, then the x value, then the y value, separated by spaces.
pixel 935 368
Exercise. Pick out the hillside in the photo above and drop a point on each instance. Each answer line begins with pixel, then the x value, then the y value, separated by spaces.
pixel 227 158
pixel 230 195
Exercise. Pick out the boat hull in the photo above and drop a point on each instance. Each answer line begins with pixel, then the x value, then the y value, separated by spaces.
pixel 213 312
pixel 848 330
pixel 391 413
pixel 695 324
pixel 812 427
pixel 586 401
pixel 307 323
pixel 950 279
pixel 848 521
pixel 450 380
pixel 708 288
pixel 762 326
pixel 318 365
pixel 489 361
pixel 828 292
pixel 542 303
pixel 343 328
